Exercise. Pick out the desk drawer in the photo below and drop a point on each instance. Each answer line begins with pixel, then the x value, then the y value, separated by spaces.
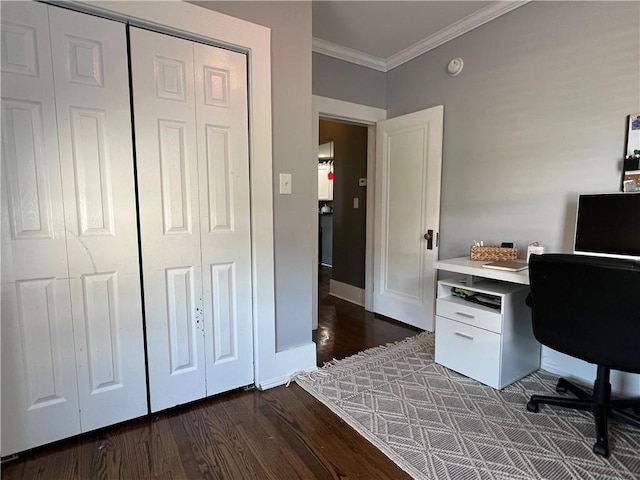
pixel 468 350
pixel 469 313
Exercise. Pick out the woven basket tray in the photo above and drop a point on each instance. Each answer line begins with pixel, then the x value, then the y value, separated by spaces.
pixel 493 253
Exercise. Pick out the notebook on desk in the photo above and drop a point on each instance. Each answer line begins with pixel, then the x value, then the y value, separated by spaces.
pixel 512 266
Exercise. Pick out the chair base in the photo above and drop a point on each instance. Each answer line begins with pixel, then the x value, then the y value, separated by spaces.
pixel 599 404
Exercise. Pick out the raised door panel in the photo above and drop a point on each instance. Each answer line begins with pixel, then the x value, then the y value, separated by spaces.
pixel 223 166
pixel 163 95
pixel 403 186
pixel 39 391
pixel 94 121
pixel 180 311
pixel 26 170
pixel 176 186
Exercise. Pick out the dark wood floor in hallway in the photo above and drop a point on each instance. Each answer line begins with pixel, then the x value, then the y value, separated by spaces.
pixel 345 328
pixel 282 433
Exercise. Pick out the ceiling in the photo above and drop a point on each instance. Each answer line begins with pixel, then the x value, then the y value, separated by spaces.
pixel 384 34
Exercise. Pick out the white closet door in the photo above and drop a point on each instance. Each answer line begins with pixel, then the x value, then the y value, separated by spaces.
pixel 92 102
pixel 223 166
pixel 39 392
pixel 166 155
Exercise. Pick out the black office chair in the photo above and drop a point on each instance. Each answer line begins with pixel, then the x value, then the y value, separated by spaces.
pixel 589 308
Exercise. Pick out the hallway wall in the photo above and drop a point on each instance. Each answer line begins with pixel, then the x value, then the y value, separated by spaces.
pixel 349 233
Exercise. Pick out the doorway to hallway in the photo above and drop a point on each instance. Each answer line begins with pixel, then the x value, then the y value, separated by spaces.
pixel 342 208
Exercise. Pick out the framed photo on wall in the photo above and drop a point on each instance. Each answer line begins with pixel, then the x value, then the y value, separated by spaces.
pixel 631 174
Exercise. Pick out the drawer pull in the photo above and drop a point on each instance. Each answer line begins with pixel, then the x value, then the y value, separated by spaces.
pixel 462 314
pixel 464 335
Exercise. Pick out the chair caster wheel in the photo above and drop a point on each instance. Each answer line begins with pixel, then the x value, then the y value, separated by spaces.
pixel 561 388
pixel 532 406
pixel 601 450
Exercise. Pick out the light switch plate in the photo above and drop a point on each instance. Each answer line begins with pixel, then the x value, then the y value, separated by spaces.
pixel 285 184
pixel 356 202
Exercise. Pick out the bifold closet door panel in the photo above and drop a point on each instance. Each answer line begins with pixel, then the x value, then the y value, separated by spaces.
pixel 225 216
pixel 39 391
pixel 96 152
pixel 166 156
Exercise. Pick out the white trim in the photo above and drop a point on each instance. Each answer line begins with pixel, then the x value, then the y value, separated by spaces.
pixel 622 383
pixel 569 376
pixel 346 292
pixel 470 22
pixel 348 55
pixel 290 362
pixel 351 112
pixel 369 221
pixel 190 20
pixel 313 211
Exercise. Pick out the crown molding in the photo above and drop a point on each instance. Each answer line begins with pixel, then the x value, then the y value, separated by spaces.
pixel 349 55
pixel 491 12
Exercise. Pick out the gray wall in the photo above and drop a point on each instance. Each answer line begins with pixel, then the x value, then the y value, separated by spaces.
pixel 537 115
pixel 346 81
pixel 290 24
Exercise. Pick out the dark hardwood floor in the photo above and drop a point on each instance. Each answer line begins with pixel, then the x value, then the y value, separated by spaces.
pixel 345 328
pixel 282 433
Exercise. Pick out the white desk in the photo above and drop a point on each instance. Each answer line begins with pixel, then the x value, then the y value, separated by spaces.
pixel 474 267
pixel 495 346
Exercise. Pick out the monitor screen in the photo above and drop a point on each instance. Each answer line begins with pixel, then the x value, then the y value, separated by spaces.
pixel 608 224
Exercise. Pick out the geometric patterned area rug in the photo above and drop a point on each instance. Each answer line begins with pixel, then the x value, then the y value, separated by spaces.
pixel 437 424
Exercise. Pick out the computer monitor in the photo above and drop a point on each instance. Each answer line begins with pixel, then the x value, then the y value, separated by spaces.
pixel 608 225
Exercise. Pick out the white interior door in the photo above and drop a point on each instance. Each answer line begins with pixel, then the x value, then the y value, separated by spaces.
pixel 39 391
pixel 225 221
pixel 94 124
pixel 407 213
pixel 166 156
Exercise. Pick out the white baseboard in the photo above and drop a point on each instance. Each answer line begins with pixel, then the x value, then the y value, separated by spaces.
pixel 282 380
pixel 303 359
pixel 346 292
pixel 624 384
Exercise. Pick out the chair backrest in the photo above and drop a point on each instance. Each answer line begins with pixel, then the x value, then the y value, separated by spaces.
pixel 588 307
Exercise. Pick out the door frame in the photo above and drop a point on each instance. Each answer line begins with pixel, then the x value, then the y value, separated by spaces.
pixel 339 110
pixel 271 368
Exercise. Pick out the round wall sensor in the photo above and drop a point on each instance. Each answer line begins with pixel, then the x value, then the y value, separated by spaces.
pixel 455 66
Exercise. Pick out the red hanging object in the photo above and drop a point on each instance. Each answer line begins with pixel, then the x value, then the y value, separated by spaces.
pixel 330 175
